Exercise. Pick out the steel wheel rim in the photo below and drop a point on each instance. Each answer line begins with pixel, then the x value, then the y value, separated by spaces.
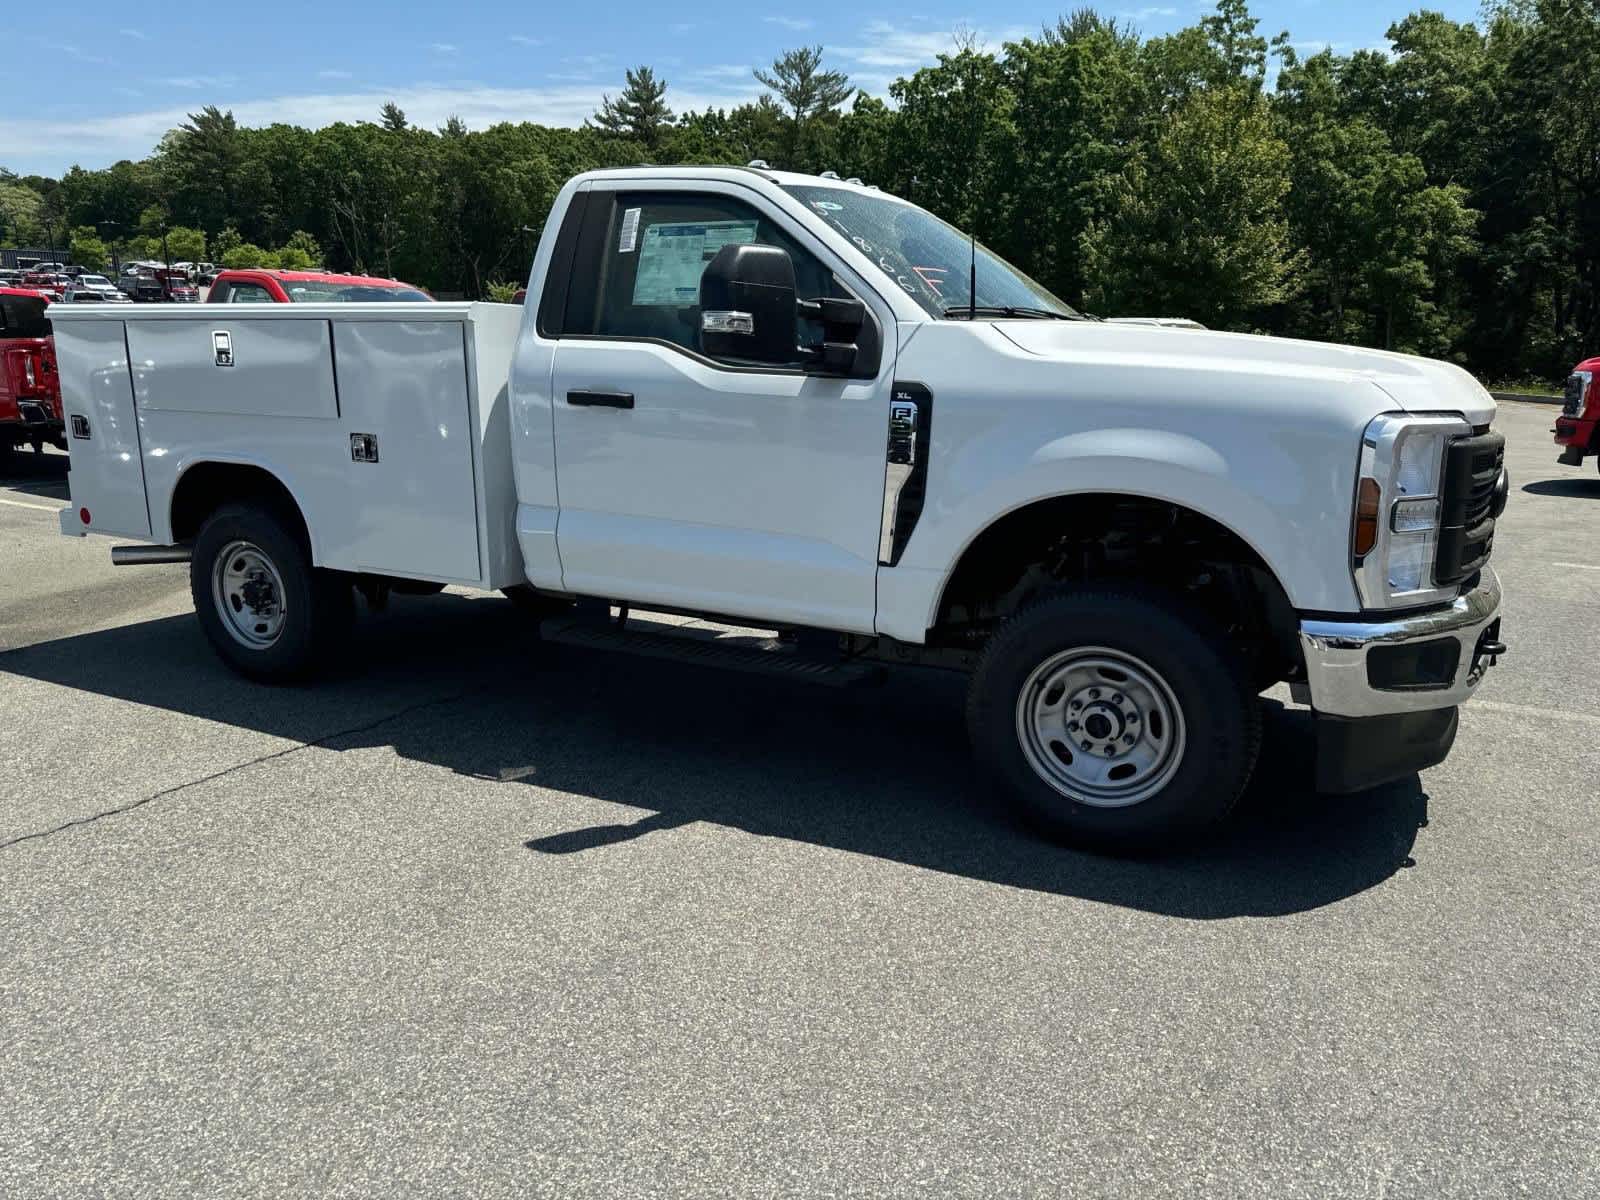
pixel 249 595
pixel 1100 726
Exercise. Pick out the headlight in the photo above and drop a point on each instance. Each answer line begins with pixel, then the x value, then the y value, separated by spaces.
pixel 1395 538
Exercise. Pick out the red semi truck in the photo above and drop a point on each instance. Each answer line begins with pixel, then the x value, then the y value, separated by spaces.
pixel 30 389
pixel 1578 426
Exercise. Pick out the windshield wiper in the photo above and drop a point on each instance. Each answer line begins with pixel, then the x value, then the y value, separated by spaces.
pixel 957 311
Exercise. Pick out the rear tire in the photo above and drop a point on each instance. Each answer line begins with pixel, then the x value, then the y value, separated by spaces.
pixel 1115 718
pixel 266 610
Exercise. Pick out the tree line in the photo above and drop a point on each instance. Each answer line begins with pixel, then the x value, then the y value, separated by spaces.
pixel 1441 195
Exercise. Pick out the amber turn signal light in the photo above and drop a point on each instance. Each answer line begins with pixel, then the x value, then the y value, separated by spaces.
pixel 1368 496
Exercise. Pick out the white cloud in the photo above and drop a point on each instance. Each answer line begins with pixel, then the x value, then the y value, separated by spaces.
pixel 196 82
pixel 75 52
pixel 51 146
pixel 332 73
pixel 725 71
pixel 898 48
pixel 523 39
pixel 443 47
pixel 798 24
pixel 137 35
pixel 1141 14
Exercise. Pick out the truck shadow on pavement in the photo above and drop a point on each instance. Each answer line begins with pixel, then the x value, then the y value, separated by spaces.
pixel 465 684
pixel 35 474
pixel 1564 487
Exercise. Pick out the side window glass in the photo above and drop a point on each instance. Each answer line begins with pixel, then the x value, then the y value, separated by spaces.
pixel 656 249
pixel 249 293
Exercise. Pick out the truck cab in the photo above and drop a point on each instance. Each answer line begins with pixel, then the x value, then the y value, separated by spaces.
pixel 802 404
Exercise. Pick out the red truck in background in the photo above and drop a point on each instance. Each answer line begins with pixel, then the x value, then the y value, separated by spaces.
pixel 1578 426
pixel 30 389
pixel 307 287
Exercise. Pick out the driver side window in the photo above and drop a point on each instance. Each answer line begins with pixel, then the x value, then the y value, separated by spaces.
pixel 656 248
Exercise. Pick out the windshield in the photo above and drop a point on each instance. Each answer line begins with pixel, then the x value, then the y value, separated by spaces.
pixel 931 261
pixel 94 281
pixel 317 291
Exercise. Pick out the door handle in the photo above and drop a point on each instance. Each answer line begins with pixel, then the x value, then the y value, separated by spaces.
pixel 600 399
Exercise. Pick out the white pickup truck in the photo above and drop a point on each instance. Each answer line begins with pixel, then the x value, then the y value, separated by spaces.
pixel 801 404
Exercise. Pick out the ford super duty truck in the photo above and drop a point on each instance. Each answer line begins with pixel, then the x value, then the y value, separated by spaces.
pixel 800 404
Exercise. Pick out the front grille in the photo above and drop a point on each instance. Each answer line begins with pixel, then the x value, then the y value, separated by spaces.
pixel 1472 467
pixel 1574 394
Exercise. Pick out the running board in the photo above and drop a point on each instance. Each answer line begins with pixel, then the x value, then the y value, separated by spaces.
pixel 709 651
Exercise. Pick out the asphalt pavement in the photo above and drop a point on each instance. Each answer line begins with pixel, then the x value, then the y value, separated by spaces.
pixel 479 916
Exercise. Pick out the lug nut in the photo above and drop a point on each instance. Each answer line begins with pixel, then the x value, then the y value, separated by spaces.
pixel 1094 693
pixel 1129 740
pixel 1086 745
pixel 1076 705
pixel 1116 698
pixel 1072 726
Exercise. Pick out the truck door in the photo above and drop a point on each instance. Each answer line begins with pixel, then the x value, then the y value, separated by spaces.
pixel 107 468
pixel 690 482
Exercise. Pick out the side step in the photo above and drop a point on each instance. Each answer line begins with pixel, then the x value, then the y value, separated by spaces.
pixel 709 651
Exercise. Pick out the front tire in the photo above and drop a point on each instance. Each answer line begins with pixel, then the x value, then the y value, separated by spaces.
pixel 265 609
pixel 1114 717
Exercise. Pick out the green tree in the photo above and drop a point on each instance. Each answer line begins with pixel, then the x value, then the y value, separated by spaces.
pixel 303 243
pixel 1200 228
pixel 246 255
pixel 202 158
pixel 640 112
pixel 810 96
pixel 88 250
pixel 186 243
pixel 291 258
pixel 393 117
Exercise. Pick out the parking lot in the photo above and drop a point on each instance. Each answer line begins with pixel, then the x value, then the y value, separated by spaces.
pixel 481 916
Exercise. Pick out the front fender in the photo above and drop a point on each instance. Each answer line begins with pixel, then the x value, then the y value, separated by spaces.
pixel 1295 518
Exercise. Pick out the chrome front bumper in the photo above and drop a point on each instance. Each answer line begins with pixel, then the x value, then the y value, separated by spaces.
pixel 1336 655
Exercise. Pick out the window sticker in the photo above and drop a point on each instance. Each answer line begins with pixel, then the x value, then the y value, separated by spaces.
pixel 674 254
pixel 630 231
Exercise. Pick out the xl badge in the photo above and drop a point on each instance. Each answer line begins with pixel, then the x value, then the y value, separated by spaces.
pixel 222 343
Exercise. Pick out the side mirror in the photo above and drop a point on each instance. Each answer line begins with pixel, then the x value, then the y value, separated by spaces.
pixel 748 306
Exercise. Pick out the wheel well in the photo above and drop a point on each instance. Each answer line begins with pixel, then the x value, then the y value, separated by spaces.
pixel 1052 544
pixel 206 486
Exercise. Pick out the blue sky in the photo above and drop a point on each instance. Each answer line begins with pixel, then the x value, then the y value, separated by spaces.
pixel 103 81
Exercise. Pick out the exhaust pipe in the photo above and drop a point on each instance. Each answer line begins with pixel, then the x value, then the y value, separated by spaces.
pixel 143 556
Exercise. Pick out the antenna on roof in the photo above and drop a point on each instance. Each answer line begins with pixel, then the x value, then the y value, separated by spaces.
pixel 829 175
pixel 758 164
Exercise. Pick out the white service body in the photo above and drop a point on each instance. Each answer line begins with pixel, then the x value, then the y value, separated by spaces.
pixel 428 382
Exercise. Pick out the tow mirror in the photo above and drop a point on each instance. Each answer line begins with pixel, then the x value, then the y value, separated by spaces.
pixel 748 312
pixel 747 305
